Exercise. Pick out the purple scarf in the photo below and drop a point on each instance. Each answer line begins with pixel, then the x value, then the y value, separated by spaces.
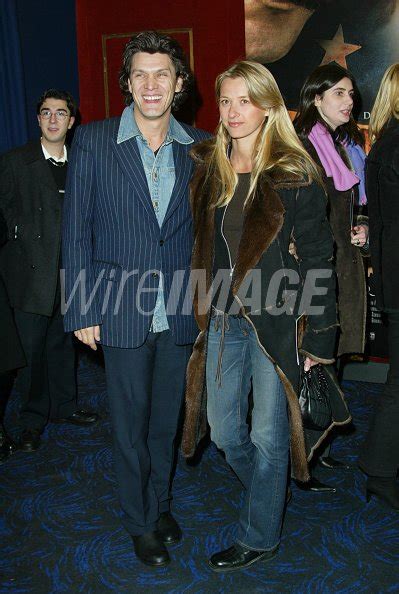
pixel 333 165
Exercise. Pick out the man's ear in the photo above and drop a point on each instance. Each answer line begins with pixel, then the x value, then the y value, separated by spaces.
pixel 71 122
pixel 179 85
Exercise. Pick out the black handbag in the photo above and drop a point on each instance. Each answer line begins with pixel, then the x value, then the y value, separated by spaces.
pixel 314 399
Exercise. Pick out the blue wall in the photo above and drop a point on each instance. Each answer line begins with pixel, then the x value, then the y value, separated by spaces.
pixel 49 52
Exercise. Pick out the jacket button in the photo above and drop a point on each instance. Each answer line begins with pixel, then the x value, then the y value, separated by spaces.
pixel 40 209
pixel 161 242
pixel 155 274
pixel 32 266
pixel 38 236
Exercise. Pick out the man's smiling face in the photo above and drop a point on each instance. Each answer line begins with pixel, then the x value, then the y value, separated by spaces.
pixel 153 84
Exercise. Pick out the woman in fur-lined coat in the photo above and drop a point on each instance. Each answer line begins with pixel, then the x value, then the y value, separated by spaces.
pixel 251 196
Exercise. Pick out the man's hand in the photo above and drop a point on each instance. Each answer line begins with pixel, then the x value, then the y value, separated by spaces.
pixel 89 336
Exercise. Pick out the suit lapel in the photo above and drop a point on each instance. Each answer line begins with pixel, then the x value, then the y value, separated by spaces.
pixel 183 169
pixel 129 158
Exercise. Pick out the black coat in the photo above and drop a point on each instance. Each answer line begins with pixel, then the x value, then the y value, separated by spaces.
pixel 382 179
pixel 343 213
pixel 32 207
pixel 11 353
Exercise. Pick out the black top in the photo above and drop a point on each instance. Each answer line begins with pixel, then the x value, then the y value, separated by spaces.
pixel 228 228
pixel 59 173
pixel 233 218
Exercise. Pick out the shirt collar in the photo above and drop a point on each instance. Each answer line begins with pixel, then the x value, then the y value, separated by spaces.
pixel 128 128
pixel 58 159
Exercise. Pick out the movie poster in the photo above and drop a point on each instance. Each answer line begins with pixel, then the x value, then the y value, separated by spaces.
pixel 292 37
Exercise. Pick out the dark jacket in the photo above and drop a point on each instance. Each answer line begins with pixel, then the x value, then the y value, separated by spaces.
pixel 111 231
pixel 382 179
pixel 32 206
pixel 283 207
pixel 343 213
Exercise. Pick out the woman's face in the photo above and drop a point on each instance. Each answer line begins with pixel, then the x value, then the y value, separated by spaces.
pixel 240 117
pixel 335 105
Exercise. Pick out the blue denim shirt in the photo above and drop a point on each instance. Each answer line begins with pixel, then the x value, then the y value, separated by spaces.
pixel 160 174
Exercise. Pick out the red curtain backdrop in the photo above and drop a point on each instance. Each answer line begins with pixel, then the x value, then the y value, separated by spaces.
pixel 211 33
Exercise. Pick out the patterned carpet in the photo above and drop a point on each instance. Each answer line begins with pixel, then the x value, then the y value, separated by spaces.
pixel 60 530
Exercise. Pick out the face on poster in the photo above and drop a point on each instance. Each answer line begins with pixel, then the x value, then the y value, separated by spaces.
pixel 292 37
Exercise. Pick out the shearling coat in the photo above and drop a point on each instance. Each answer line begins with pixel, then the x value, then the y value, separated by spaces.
pixel 343 213
pixel 284 207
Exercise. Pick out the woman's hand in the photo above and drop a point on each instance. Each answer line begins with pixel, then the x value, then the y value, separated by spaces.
pixel 359 235
pixel 308 363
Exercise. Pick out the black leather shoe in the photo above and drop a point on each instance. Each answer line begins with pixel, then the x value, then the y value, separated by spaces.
pixel 150 549
pixel 29 440
pixel 332 464
pixel 169 529
pixel 238 557
pixel 384 488
pixel 80 417
pixel 316 486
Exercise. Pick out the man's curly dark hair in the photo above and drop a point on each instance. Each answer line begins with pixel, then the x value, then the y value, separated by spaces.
pixel 153 42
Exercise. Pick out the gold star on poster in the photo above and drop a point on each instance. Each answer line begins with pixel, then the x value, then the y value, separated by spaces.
pixel 337 49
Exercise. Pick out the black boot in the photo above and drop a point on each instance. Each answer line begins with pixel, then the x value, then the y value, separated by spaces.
pixel 384 488
pixel 332 464
pixel 316 486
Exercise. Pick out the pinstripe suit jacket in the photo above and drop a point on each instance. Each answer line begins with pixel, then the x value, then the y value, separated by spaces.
pixel 112 242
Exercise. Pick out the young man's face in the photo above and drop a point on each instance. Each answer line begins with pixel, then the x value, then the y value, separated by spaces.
pixel 55 120
pixel 153 84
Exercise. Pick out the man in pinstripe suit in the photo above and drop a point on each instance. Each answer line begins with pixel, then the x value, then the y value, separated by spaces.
pixel 127 238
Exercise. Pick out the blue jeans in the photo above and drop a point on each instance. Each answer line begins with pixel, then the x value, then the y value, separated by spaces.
pixel 258 455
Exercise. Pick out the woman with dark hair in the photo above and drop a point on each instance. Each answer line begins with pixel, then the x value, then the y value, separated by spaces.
pixel 380 456
pixel 254 187
pixel 325 124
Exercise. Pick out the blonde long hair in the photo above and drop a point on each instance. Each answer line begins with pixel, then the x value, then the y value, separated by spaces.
pixel 277 144
pixel 386 104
